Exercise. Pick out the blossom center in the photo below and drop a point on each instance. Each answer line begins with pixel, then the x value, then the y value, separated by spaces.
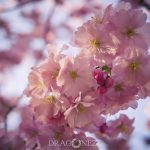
pixel 57 135
pixel 118 87
pixel 130 33
pixel 49 99
pixel 95 43
pixel 55 74
pixel 73 74
pixel 133 66
pixel 80 108
pixel 122 128
pixel 34 133
pixel 40 84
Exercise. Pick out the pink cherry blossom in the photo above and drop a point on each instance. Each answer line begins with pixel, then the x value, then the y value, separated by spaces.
pixel 74 71
pixel 119 96
pixel 103 16
pixel 49 70
pixel 49 108
pixel 128 26
pixel 134 69
pixel 94 39
pixel 122 126
pixel 71 95
pixel 82 112
pixel 36 86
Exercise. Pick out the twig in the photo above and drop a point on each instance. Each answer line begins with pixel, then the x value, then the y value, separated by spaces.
pixel 47 25
pixel 19 5
pixel 145 4
pixel 5 118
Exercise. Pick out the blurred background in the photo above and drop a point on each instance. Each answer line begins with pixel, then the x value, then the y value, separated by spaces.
pixel 26 27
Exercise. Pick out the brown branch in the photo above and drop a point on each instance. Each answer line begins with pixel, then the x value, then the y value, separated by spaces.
pixel 11 108
pixel 5 118
pixel 19 5
pixel 144 4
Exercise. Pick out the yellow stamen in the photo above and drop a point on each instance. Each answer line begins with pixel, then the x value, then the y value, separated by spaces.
pixel 55 74
pixel 40 84
pixel 80 108
pixel 134 66
pixel 34 133
pixel 73 74
pixel 95 43
pixel 49 99
pixel 57 135
pixel 122 128
pixel 118 87
pixel 130 32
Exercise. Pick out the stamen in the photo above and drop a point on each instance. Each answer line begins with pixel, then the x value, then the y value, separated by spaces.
pixel 57 135
pixel 55 74
pixel 118 87
pixel 130 33
pixel 95 43
pixel 40 84
pixel 49 99
pixel 80 108
pixel 134 66
pixel 73 74
pixel 34 133
pixel 122 128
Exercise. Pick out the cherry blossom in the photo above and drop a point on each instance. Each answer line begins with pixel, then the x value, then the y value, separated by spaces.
pixel 72 95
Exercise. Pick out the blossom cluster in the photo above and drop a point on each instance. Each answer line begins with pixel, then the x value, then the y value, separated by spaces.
pixel 71 95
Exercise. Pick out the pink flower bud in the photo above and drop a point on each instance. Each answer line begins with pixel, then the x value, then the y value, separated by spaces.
pixel 99 76
pixel 101 89
pixel 109 83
